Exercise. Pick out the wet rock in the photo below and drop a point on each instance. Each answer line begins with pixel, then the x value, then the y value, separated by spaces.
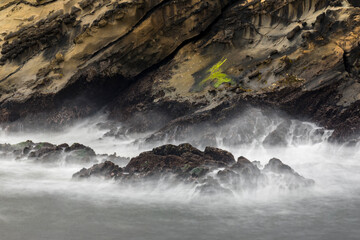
pixel 45 153
pixel 211 186
pixel 241 175
pixel 219 155
pixel 279 136
pixel 291 178
pixel 79 153
pixel 106 169
pixel 212 171
pixel 116 159
pixel 183 160
pixel 276 166
pixel 170 149
pixel 227 175
pixel 246 168
pixel 48 153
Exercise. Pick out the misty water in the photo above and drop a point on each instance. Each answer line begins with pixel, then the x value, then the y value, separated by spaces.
pixel 43 202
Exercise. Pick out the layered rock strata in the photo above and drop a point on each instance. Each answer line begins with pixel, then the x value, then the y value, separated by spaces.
pixel 186 60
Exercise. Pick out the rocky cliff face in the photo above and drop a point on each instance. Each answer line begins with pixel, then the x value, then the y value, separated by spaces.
pixel 53 51
pixel 189 60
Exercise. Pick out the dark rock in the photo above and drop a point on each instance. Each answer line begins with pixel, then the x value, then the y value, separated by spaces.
pixel 227 175
pixel 26 150
pixel 276 166
pixel 279 136
pixel 254 74
pixel 354 3
pixel 242 175
pixel 292 179
pixel 63 146
pixel 219 155
pixel 183 161
pixel 274 52
pixel 211 186
pixel 86 3
pixel 245 168
pixel 106 169
pixel 74 10
pixel 186 164
pixel 176 150
pixel 293 33
pixel 117 159
pixel 48 153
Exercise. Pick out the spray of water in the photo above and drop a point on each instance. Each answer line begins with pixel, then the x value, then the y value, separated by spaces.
pixel 34 195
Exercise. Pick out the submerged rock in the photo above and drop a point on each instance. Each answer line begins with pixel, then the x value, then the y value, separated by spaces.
pixel 48 153
pixel 279 136
pixel 290 178
pixel 79 152
pixel 213 170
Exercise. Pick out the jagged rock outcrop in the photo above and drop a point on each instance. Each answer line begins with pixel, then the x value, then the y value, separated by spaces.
pixel 106 169
pixel 213 170
pixel 191 61
pixel 48 153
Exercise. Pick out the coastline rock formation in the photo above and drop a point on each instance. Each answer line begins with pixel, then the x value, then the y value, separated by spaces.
pixel 74 51
pixel 191 61
pixel 47 153
pixel 210 171
pixel 213 170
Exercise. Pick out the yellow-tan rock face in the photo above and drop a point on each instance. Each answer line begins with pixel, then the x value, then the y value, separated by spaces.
pixel 68 58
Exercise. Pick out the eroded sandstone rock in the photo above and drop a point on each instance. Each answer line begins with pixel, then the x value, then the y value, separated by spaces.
pixel 87 50
pixel 147 61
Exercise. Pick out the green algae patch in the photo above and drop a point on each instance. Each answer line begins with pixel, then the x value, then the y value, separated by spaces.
pixel 22 145
pixel 217 76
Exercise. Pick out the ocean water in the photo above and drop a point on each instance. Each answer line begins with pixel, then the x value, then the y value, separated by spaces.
pixel 43 202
